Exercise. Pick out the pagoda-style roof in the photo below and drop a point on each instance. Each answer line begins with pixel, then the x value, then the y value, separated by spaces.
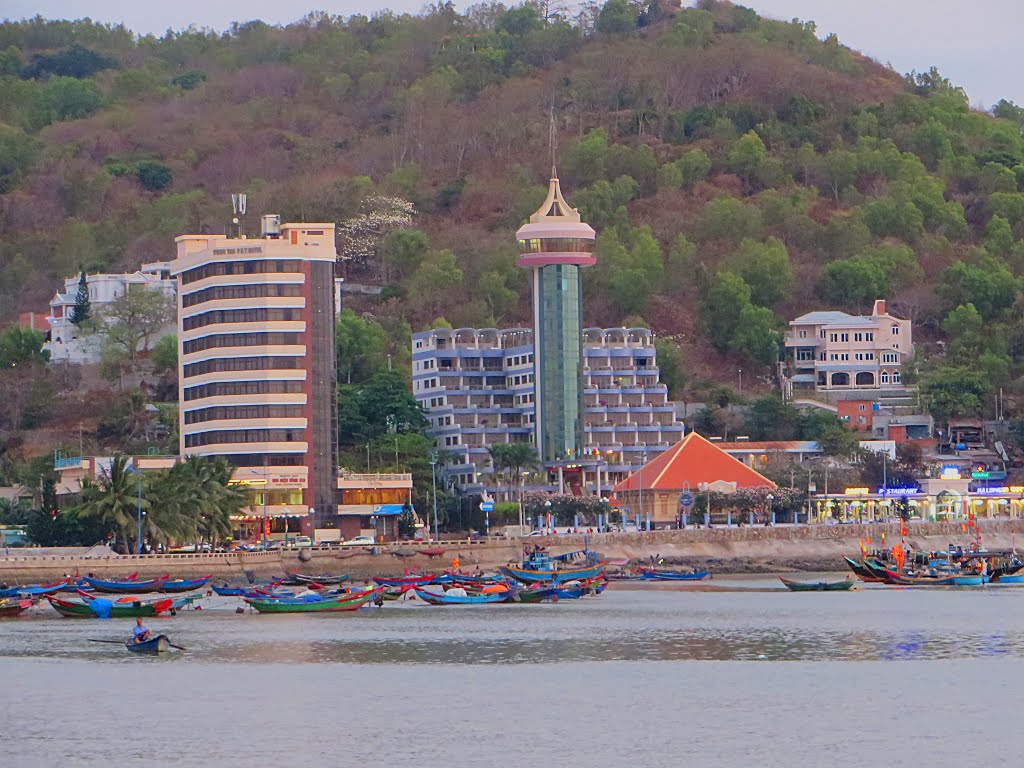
pixel 693 462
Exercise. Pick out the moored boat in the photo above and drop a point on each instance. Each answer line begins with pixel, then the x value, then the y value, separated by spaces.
pixel 819 586
pixel 403 581
pixel 35 589
pixel 84 608
pixel 13 607
pixel 970 580
pixel 649 574
pixel 444 598
pixel 346 602
pixel 185 585
pixel 127 587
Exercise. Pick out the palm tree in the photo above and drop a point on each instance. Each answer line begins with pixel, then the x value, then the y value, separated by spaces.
pixel 114 498
pixel 513 458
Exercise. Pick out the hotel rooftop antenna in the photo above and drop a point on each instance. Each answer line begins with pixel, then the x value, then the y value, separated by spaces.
pixel 238 211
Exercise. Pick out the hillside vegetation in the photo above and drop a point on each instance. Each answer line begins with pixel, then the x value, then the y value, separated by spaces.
pixel 739 170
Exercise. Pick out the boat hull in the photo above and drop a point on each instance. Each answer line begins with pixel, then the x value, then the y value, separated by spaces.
pixel 75 609
pixel 821 586
pixel 432 598
pixel 974 580
pixel 185 585
pixel 126 587
pixel 13 607
pixel 528 576
pixel 350 602
pixel 158 644
pixel 650 575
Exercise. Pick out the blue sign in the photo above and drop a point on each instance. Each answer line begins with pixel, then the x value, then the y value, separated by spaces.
pixel 486 506
pixel 904 491
pixel 686 500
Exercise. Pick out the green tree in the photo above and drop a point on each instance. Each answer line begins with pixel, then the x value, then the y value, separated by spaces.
pixel 694 165
pixel 164 356
pixel 130 322
pixel 402 251
pixel 361 347
pixel 988 285
pixel 727 218
pixel 154 175
pixel 616 18
pixel 998 237
pixel 766 269
pixel 746 155
pixel 82 310
pixel 113 499
pixel 18 153
pixel 721 308
pixel 951 392
pixel 757 334
pixel 22 347
pixel 671 367
pixel 511 459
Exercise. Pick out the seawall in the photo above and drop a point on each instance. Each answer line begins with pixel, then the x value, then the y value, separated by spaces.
pixel 751 550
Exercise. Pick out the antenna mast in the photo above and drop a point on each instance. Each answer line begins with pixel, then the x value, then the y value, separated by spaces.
pixel 552 138
pixel 238 211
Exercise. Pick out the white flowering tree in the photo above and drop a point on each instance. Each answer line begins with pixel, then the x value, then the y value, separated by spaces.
pixel 378 215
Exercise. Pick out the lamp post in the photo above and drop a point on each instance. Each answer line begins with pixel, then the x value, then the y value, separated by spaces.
pixel 138 541
pixel 433 480
pixel 640 478
pixel 522 517
pixel 771 512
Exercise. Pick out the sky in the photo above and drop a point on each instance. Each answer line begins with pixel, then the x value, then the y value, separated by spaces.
pixel 974 44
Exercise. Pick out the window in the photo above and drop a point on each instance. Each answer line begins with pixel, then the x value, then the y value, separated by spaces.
pixel 833 337
pixel 858 337
pixel 260 267
pixel 219 413
pixel 844 337
pixel 241 340
pixel 821 333
pixel 257 291
pixel 240 316
pixel 228 388
pixel 220 437
pixel 895 330
pixel 885 377
pixel 218 365
pixel 890 357
pixel 861 407
pixel 803 334
pixel 895 377
pixel 869 336
pixel 869 355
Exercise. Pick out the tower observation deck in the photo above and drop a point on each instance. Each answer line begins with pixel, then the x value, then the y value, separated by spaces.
pixel 555 244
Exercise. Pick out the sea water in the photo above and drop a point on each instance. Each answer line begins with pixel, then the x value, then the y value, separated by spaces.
pixel 665 676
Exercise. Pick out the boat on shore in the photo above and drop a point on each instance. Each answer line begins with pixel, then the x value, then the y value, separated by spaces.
pixel 539 567
pixel 404 581
pixel 185 585
pixel 445 598
pixel 86 608
pixel 818 586
pixel 35 589
pixel 127 587
pixel 862 572
pixel 346 602
pixel 14 606
pixel 649 574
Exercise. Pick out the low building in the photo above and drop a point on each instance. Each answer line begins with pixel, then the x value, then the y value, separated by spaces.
pixel 664 487
pixel 67 342
pixel 834 350
pixel 371 503
pixel 478 388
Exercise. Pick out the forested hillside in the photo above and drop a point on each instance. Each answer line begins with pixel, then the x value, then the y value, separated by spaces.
pixel 739 170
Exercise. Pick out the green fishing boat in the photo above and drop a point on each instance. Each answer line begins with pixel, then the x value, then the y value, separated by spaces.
pixel 347 602
pixel 819 586
pixel 80 609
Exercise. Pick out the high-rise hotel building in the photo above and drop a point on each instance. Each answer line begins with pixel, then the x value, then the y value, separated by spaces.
pixel 256 371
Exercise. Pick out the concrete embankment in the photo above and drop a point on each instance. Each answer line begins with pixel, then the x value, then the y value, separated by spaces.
pixel 725 550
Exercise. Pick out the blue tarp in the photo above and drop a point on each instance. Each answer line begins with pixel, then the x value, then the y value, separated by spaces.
pixel 101 607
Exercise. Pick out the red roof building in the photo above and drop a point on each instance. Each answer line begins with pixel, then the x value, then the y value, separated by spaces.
pixel 693 464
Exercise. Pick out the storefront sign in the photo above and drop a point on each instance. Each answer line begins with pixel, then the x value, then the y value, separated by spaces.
pixel 859 491
pixel 950 472
pixel 904 491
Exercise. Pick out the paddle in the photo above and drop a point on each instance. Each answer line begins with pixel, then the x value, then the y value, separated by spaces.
pixel 178 647
pixel 119 642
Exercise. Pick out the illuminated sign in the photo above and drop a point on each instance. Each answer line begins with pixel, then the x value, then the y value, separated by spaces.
pixel 1000 489
pixel 856 491
pixel 950 472
pixel 905 491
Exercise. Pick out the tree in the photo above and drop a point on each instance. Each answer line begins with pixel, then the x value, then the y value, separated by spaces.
pixel 381 405
pixel 82 310
pixel 362 347
pixel 512 459
pixel 951 392
pixel 18 153
pixel 22 347
pixel 671 367
pixel 164 356
pixel 746 155
pixel 113 499
pixel 616 18
pixel 154 175
pixel 998 237
pixel 766 269
pixel 131 321
pixel 363 233
pixel 402 251
pixel 728 218
pixel 757 334
pixel 988 285
pixel 721 308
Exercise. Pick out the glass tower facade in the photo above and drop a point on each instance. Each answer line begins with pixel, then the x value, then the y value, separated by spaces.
pixel 559 297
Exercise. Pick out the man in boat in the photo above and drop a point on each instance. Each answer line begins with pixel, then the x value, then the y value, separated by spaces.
pixel 139 633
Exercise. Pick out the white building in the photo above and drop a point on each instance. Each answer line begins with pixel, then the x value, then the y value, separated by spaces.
pixel 67 342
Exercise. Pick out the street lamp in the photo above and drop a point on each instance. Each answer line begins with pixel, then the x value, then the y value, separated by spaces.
pixel 771 512
pixel 433 480
pixel 138 541
pixel 640 479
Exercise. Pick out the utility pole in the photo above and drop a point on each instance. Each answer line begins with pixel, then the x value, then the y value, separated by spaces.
pixel 433 479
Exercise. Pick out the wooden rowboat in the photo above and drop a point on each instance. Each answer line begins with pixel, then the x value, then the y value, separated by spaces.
pixel 442 598
pixel 820 586
pixel 127 587
pixel 81 609
pixel 185 585
pixel 649 574
pixel 158 644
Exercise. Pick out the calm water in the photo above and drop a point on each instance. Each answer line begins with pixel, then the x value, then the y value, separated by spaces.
pixel 638 677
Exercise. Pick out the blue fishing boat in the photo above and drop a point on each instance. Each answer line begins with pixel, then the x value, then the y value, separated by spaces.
pixel 539 567
pixel 185 585
pixel 34 589
pixel 970 580
pixel 227 591
pixel 126 587
pixel 1012 578
pixel 649 574
pixel 443 598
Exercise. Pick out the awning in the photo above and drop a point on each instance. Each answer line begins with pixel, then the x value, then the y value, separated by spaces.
pixel 388 509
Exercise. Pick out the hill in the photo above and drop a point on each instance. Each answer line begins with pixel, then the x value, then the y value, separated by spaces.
pixel 735 166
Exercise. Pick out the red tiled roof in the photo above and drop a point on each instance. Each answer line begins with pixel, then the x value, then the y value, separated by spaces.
pixel 690 463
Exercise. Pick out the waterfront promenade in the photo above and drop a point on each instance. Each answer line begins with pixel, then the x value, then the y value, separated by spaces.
pixel 733 549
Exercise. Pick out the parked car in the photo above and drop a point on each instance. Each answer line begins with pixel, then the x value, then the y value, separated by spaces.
pixel 301 541
pixel 359 541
